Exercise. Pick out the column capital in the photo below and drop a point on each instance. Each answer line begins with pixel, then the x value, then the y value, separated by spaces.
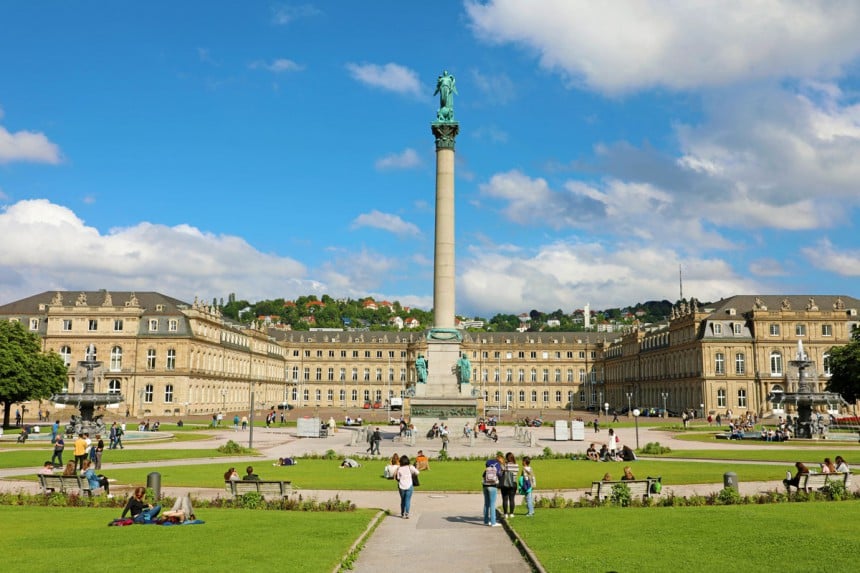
pixel 445 133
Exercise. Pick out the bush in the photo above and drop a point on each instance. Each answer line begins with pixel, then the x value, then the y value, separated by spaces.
pixel 655 449
pixel 232 447
pixel 728 496
pixel 620 495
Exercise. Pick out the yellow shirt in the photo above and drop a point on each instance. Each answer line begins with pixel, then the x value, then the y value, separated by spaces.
pixel 80 447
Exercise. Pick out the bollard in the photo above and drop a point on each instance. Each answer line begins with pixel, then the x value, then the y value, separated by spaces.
pixel 730 481
pixel 153 482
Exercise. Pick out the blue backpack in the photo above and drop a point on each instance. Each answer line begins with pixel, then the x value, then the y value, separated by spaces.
pixel 524 484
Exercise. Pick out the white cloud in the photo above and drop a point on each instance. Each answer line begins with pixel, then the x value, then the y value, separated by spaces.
pixel 284 14
pixel 407 159
pixel 48 246
pixel 767 268
pixel 358 274
pixel 827 257
pixel 626 45
pixel 27 146
pixel 497 88
pixel 277 66
pixel 391 77
pixel 387 222
pixel 567 274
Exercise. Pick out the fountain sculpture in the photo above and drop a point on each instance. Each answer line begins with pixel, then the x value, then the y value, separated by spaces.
pixel 804 398
pixel 87 400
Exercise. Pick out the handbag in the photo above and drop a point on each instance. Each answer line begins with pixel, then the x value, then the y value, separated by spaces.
pixel 415 481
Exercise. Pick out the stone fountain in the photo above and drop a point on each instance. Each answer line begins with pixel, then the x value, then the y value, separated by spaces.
pixel 87 400
pixel 804 398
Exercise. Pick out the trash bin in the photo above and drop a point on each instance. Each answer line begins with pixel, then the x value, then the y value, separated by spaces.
pixel 153 482
pixel 730 480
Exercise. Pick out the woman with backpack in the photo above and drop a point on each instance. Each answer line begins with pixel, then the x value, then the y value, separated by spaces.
pixel 490 486
pixel 527 484
pixel 509 484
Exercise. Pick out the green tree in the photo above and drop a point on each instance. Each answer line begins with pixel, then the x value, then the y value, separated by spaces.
pixel 845 368
pixel 25 372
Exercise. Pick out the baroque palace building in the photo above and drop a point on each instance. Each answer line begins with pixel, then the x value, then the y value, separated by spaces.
pixel 172 358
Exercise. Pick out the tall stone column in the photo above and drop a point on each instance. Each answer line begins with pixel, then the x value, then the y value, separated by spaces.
pixel 444 266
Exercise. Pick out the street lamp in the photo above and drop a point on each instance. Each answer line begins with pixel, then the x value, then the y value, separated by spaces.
pixel 599 400
pixel 606 409
pixel 636 419
pixel 629 398
pixel 665 395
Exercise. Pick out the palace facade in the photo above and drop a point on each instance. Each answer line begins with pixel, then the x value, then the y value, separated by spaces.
pixel 172 358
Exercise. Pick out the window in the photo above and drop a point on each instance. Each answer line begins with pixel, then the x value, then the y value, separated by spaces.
pixel 736 327
pixel 307 375
pixel 34 324
pixel 742 398
pixel 496 394
pixel 367 353
pixel 826 330
pixel 718 328
pixel 295 374
pixel 171 359
pixel 117 325
pixel 509 375
pixel 521 375
pixel 330 395
pixel 720 363
pixel 774 330
pixel 569 375
pixel 330 374
pixel 534 395
pixel 366 395
pixel 67 324
pixel 168 393
pixel 379 374
pixel 147 393
pixel 825 360
pixel 354 395
pixel 367 374
pixel 545 375
pixel 295 394
pixel 522 395
pixel 92 325
pixel 116 358
pixel 66 355
pixel 546 395
pixel 558 396
pixel 509 396
pixel 342 374
pixel 581 354
pixel 150 359
pixel 355 374
pixel 318 374
pixel 775 363
pixel 582 375
pixel 721 398
pixel 740 363
pixel 533 375
pixel 800 329
pixel 318 395
pixel 496 375
pixel 153 324
pixel 114 387
pixel 558 375
pixel 319 353
pixel 173 325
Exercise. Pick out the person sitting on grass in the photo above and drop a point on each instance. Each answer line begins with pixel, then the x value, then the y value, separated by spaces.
pixel 250 475
pixel 181 510
pixel 95 481
pixel 493 435
pixel 141 512
pixel 349 463
pixel 604 453
pixel 591 453
pixel 422 462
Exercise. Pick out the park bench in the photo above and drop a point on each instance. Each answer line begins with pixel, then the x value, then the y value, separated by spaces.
pixel 64 484
pixel 265 488
pixel 812 482
pixel 640 488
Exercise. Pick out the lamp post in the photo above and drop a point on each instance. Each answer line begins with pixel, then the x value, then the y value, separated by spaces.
pixel 599 401
pixel 702 411
pixel 606 409
pixel 665 395
pixel 636 420
pixel 629 398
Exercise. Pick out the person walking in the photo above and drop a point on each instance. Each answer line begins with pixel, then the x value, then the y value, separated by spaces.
pixel 375 439
pixel 527 484
pixel 490 487
pixel 99 449
pixel 509 485
pixel 405 475
pixel 59 446
pixel 80 451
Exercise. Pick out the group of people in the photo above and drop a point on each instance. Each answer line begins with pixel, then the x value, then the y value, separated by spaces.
pixel 503 475
pixel 627 475
pixel 836 466
pixel 86 471
pixel 232 475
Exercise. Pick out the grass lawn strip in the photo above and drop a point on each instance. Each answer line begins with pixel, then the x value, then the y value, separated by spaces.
pixel 780 537
pixel 230 540
pixel 35 458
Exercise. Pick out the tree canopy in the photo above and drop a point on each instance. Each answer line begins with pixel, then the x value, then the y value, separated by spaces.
pixel 26 373
pixel 845 368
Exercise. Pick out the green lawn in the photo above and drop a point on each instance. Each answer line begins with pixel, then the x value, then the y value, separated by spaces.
pixel 777 537
pixel 230 540
pixel 445 476
pixel 789 455
pixel 35 458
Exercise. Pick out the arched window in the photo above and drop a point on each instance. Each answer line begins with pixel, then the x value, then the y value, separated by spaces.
pixel 534 395
pixel 114 387
pixel 742 398
pixel 776 363
pixel 558 396
pixel 522 395
pixel 116 358
pixel 66 355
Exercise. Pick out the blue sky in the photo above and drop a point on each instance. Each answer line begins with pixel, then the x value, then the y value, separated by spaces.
pixel 274 149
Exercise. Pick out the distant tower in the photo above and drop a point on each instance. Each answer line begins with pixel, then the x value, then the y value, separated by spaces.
pixel 680 283
pixel 586 316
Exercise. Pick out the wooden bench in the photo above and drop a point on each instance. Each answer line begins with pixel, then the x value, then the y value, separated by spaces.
pixel 269 489
pixel 64 484
pixel 811 482
pixel 640 488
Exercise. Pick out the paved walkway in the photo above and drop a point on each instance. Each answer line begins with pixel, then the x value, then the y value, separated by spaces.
pixel 445 530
